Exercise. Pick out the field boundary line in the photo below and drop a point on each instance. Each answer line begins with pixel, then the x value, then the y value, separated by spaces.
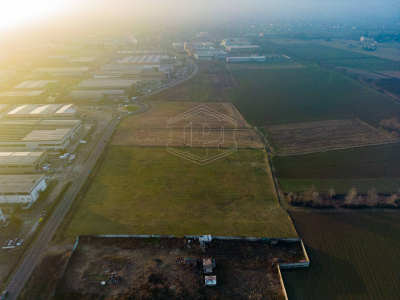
pixel 338 148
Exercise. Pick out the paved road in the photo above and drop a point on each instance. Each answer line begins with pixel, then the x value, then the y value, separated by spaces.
pixel 173 83
pixel 25 269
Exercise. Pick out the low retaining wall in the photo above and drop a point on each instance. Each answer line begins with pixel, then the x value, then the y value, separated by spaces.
pixel 302 264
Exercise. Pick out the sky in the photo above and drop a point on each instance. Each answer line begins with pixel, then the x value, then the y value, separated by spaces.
pixel 23 13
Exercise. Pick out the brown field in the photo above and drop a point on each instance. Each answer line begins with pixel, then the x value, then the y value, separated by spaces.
pixel 150 128
pixel 159 268
pixel 318 136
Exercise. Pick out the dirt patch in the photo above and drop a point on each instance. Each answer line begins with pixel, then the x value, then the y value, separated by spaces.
pixel 154 128
pixel 328 135
pixel 160 268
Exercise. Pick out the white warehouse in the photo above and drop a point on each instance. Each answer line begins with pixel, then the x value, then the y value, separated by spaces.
pixel 21 188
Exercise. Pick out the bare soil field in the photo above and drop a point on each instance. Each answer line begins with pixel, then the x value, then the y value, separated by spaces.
pixel 306 137
pixel 157 127
pixel 171 268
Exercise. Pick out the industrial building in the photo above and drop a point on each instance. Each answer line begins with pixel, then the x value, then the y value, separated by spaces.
pixel 34 84
pixel 277 57
pixel 84 60
pixel 210 54
pixel 107 83
pixel 15 96
pixel 21 188
pixel 95 94
pixel 143 60
pixel 32 134
pixel 61 72
pixel 246 48
pixel 21 162
pixel 235 42
pixel 246 59
pixel 42 111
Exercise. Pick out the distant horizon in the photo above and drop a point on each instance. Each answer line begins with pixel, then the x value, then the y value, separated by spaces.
pixel 85 16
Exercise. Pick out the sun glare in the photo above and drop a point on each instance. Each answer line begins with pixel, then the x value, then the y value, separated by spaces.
pixel 16 13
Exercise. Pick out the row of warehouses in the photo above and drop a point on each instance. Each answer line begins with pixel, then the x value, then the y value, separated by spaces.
pixel 208 50
pixel 26 132
pixel 129 70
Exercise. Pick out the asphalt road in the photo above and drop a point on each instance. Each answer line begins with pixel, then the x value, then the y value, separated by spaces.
pixel 25 269
pixel 20 277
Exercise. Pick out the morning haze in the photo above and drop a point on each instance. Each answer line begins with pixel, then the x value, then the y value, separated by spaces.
pixel 199 149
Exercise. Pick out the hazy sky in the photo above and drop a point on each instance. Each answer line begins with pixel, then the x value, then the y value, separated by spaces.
pixel 93 12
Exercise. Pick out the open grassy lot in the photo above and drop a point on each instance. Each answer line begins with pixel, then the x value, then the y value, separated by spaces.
pixel 366 167
pixel 283 96
pixel 209 85
pixel 353 255
pixel 140 190
pixel 150 128
pixel 324 135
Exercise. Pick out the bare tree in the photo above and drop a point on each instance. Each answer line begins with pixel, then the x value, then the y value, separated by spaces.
pixel 373 198
pixel 331 193
pixel 351 197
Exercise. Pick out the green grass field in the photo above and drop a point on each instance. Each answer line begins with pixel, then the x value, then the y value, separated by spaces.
pixel 132 107
pixel 363 168
pixel 283 96
pixel 140 190
pixel 353 255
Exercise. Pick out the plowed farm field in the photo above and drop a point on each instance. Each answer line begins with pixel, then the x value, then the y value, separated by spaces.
pixel 354 255
pixel 159 126
pixel 299 138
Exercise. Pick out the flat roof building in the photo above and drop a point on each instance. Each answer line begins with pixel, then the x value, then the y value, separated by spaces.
pixel 25 95
pixel 246 59
pixel 21 162
pixel 95 94
pixel 33 84
pixel 21 188
pixel 32 134
pixel 242 48
pixel 108 83
pixel 42 111
pixel 61 72
pixel 142 60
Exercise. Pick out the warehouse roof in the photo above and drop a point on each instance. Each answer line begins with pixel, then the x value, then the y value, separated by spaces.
pixel 15 130
pixel 47 135
pixel 94 93
pixel 19 158
pixel 144 59
pixel 104 83
pixel 62 70
pixel 41 110
pixel 19 183
pixel 33 84
pixel 21 94
pixel 128 67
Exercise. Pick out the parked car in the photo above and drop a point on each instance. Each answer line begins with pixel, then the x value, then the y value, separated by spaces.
pixel 19 243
